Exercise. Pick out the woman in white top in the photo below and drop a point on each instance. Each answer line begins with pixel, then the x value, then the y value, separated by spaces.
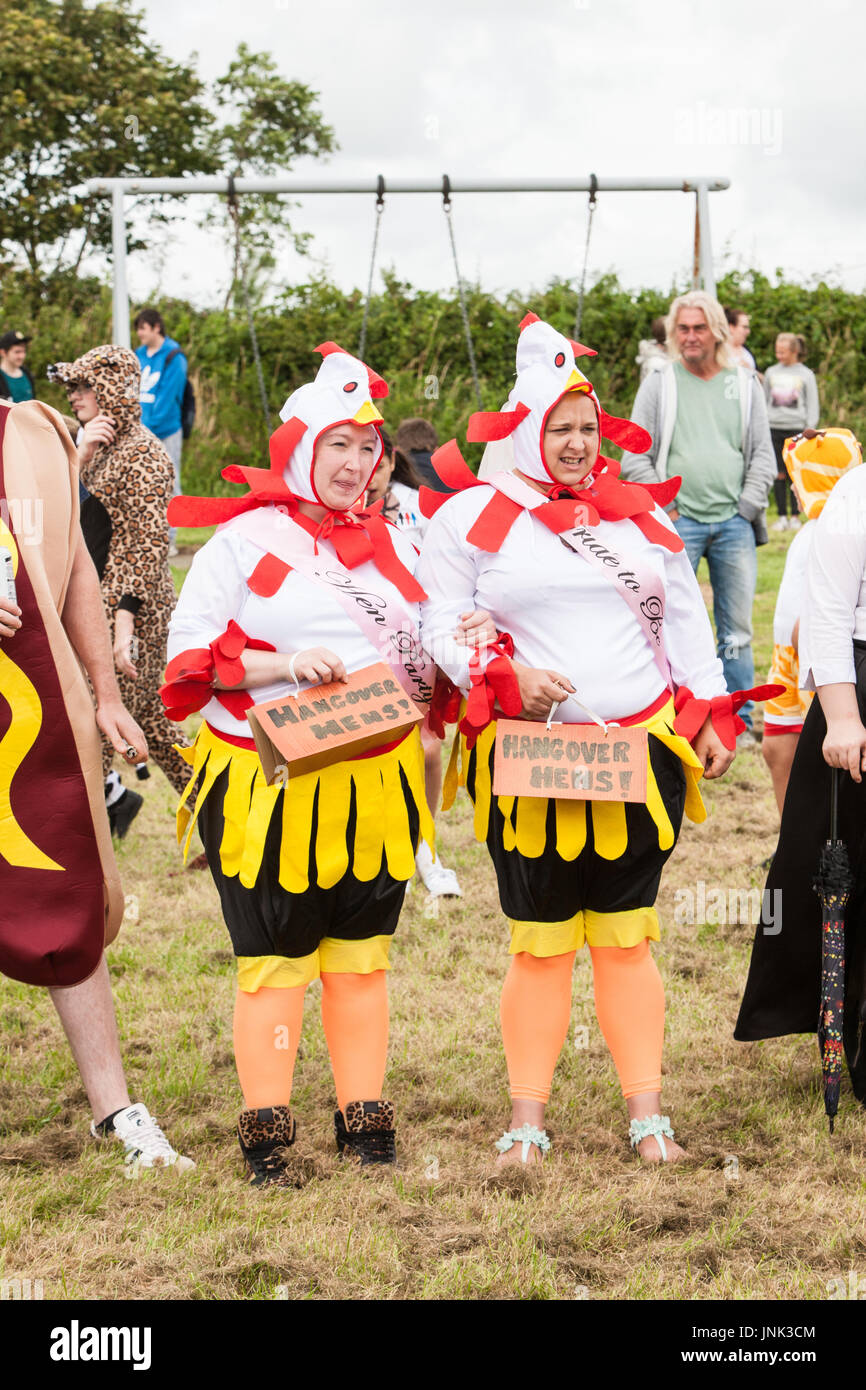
pixel 782 992
pixel 298 586
pixel 792 406
pixel 586 639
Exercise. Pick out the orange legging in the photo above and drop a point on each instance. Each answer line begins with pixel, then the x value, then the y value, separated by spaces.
pixel 267 1030
pixel 629 1004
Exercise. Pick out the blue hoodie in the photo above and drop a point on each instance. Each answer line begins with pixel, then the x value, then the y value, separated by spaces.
pixel 161 388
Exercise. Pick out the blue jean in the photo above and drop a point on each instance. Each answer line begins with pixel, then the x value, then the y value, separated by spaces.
pixel 733 562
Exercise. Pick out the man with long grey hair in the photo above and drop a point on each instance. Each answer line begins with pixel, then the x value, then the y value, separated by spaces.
pixel 708 422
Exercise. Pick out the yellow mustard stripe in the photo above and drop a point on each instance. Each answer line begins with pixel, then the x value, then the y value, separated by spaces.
pixel 608 828
pixel 25 707
pixel 570 827
pixel 547 938
pixel 622 929
pixel 276 972
pixel 381 827
pixel 332 855
pixel 354 957
pixel 608 817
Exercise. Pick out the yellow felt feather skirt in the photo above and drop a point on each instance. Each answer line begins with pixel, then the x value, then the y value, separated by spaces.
pixel 381 823
pixel 525 817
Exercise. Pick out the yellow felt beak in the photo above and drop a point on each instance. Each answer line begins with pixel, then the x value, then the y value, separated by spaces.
pixel 577 382
pixel 368 415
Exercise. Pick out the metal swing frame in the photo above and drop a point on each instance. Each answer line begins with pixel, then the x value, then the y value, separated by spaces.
pixel 702 269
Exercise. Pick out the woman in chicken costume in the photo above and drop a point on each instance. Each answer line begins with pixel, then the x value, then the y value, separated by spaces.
pixel 299 586
pixel 615 633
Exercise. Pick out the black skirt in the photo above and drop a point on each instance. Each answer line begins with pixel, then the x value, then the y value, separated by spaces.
pixel 783 988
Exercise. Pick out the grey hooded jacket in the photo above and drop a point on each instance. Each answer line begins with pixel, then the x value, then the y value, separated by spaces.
pixel 655 408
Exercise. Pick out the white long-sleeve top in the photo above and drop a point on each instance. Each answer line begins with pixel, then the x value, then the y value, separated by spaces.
pixel 300 615
pixel 835 612
pixel 791 597
pixel 561 612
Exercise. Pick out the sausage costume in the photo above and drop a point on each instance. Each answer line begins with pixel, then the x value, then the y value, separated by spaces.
pixel 62 899
pixel 624 619
pixel 311 876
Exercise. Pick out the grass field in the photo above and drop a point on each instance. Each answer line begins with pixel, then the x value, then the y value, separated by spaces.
pixel 768 1207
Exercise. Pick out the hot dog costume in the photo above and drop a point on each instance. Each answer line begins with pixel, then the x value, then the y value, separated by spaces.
pixel 62 898
pixel 311 876
pixel 624 619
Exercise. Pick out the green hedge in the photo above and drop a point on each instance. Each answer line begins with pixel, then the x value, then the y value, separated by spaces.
pixel 415 339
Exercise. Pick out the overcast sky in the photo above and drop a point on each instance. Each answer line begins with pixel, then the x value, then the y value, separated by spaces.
pixel 644 88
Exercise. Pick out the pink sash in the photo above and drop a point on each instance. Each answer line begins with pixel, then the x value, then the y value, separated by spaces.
pixel 637 584
pixel 388 626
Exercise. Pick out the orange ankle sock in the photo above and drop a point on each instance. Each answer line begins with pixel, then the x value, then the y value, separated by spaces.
pixel 535 1013
pixel 630 1007
pixel 267 1030
pixel 355 1019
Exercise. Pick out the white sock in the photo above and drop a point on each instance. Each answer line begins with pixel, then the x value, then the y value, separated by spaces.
pixel 114 788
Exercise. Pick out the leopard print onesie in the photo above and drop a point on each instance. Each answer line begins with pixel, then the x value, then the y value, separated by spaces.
pixel 133 479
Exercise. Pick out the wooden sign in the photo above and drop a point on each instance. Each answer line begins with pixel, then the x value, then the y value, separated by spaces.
pixel 330 722
pixel 579 761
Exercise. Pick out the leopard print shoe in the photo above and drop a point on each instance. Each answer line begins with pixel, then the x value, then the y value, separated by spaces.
pixel 366 1134
pixel 264 1137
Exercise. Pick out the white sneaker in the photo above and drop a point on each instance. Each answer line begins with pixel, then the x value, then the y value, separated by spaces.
pixel 794 523
pixel 144 1143
pixel 746 740
pixel 780 525
pixel 439 881
pixel 173 551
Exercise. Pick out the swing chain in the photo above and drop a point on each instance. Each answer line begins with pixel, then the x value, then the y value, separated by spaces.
pixel 593 191
pixel 464 313
pixel 380 208
pixel 234 214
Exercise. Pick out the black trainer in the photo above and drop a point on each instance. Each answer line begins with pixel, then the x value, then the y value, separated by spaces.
pixel 264 1135
pixel 123 812
pixel 366 1135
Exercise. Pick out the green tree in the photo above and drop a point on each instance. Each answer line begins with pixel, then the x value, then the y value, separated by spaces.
pixel 271 121
pixel 84 94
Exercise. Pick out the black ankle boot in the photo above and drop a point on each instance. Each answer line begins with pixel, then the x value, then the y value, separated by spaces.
pixel 366 1135
pixel 123 812
pixel 264 1135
